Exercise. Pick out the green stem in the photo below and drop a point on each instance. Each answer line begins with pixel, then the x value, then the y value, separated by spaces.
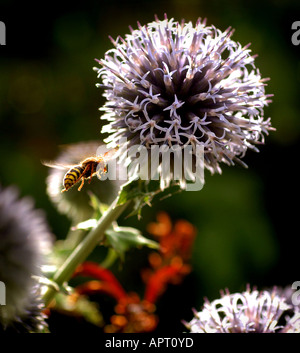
pixel 84 248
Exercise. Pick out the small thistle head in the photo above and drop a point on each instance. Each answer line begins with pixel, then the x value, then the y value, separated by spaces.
pixel 170 83
pixel 25 242
pixel 250 311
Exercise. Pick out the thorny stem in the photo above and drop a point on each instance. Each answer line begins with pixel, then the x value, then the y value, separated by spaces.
pixel 84 248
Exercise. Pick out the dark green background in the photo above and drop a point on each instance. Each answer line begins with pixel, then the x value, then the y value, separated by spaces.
pixel 247 220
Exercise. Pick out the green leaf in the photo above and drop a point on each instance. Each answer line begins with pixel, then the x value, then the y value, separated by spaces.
pixel 97 205
pixel 121 239
pixel 90 223
pixel 81 307
pixel 110 258
pixel 142 192
pixel 131 190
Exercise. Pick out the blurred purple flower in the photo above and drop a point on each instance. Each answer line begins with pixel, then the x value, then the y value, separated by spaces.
pixel 25 243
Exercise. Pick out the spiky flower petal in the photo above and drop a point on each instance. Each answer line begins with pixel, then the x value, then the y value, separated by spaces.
pixel 250 311
pixel 25 242
pixel 170 83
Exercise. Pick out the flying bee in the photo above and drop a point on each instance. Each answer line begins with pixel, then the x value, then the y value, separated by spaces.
pixel 84 170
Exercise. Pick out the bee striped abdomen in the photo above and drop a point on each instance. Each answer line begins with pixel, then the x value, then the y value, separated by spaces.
pixel 73 176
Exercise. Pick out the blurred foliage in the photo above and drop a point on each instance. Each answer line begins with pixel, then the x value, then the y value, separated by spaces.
pixel 246 219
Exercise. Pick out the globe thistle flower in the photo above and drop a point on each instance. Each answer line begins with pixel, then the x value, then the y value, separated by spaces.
pixel 25 242
pixel 76 205
pixel 250 311
pixel 172 84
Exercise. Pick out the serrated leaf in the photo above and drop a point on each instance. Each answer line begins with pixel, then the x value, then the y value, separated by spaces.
pixel 130 190
pixel 139 191
pixel 124 238
pixel 142 192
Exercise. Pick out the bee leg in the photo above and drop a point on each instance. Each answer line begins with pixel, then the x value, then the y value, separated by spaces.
pixel 93 171
pixel 83 177
pixel 81 185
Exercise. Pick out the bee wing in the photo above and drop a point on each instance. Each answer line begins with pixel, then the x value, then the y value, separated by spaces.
pixel 108 155
pixel 74 154
pixel 57 165
pixel 77 152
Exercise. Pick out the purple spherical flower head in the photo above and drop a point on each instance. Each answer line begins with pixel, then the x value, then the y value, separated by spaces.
pixel 171 83
pixel 255 311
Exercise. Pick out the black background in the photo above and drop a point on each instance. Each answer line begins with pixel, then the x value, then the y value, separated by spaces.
pixel 247 220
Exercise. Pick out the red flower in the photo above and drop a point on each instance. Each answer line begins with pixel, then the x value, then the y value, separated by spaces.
pixel 170 265
pixel 133 314
pixel 176 240
pixel 107 282
pixel 158 280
